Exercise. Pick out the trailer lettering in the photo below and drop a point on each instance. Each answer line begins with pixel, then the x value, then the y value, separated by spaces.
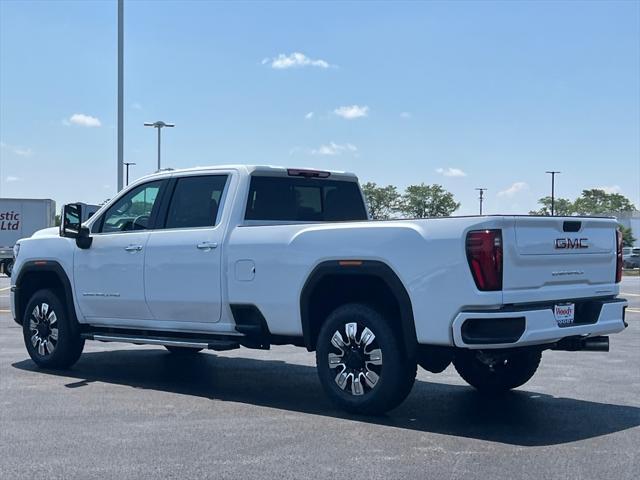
pixel 9 220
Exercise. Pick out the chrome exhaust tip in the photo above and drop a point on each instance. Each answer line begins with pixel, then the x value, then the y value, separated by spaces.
pixel 596 344
pixel 583 344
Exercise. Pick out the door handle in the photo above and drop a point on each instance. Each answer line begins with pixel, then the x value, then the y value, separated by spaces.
pixel 133 248
pixel 207 245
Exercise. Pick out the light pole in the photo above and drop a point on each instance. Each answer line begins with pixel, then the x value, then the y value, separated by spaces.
pixel 120 92
pixel 553 190
pixel 159 125
pixel 481 190
pixel 127 164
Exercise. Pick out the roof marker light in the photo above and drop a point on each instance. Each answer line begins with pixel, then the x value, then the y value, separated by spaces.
pixel 296 172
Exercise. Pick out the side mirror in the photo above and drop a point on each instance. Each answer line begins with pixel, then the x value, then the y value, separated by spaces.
pixel 71 225
pixel 71 220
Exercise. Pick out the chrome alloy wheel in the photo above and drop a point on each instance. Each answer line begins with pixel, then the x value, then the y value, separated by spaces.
pixel 357 360
pixel 44 329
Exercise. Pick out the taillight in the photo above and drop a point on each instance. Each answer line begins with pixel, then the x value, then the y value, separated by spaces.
pixel 484 253
pixel 618 256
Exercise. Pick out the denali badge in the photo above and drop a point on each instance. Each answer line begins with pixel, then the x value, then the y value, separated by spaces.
pixel 566 243
pixel 562 273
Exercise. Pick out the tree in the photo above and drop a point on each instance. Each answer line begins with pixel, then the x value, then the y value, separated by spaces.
pixel 598 202
pixel 628 240
pixel 562 206
pixel 382 201
pixel 420 201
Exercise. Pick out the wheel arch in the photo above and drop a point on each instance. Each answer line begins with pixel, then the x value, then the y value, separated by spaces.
pixel 347 281
pixel 38 274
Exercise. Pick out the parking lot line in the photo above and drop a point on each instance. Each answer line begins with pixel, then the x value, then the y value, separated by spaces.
pixel 633 310
pixel 631 294
pixel 5 289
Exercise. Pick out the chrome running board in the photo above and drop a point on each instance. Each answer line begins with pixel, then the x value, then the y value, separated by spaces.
pixel 211 344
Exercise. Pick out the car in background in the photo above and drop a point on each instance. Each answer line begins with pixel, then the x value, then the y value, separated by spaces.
pixel 631 257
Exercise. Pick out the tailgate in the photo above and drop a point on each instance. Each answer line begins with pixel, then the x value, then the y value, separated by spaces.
pixel 560 257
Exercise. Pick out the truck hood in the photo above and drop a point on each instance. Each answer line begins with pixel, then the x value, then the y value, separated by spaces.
pixel 47 232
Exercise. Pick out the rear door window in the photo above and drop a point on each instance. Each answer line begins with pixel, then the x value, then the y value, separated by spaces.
pixel 196 201
pixel 304 200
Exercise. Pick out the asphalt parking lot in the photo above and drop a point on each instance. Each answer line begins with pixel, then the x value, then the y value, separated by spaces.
pixel 138 412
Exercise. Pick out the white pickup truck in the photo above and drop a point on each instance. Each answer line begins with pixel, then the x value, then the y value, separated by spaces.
pixel 255 256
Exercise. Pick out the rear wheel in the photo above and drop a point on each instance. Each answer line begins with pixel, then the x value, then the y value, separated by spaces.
pixel 361 363
pixel 48 333
pixel 495 372
pixel 182 350
pixel 8 267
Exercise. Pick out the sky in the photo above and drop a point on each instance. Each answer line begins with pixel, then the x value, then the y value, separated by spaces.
pixel 464 94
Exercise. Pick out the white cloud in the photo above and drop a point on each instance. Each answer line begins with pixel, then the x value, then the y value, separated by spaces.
pixel 517 187
pixel 352 111
pixel 83 120
pixel 405 115
pixel 309 116
pixel 610 188
pixel 11 178
pixel 21 151
pixel 294 60
pixel 333 148
pixel 451 172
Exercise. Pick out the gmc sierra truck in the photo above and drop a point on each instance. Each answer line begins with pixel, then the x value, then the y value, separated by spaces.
pixel 228 256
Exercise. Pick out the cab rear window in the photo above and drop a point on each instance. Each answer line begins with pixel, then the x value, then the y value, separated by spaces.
pixel 304 200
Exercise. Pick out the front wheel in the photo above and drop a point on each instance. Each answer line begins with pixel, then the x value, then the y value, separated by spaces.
pixel 361 363
pixel 48 332
pixel 495 372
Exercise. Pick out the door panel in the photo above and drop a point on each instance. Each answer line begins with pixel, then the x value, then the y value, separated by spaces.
pixel 183 259
pixel 109 276
pixel 182 281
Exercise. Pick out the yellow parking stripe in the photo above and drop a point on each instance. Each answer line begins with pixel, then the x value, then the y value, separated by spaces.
pixel 9 288
pixel 633 310
pixel 630 294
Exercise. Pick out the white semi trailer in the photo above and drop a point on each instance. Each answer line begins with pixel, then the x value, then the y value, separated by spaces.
pixel 21 218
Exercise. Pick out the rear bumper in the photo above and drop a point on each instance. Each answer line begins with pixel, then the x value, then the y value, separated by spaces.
pixel 535 324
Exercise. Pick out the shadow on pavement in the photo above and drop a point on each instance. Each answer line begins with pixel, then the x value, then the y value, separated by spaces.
pixel 518 418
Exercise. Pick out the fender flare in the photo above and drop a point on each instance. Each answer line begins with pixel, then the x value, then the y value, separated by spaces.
pixel 360 268
pixel 41 266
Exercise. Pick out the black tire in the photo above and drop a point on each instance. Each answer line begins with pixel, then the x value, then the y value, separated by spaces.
pixel 182 350
pixel 509 371
pixel 48 346
pixel 394 375
pixel 8 267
